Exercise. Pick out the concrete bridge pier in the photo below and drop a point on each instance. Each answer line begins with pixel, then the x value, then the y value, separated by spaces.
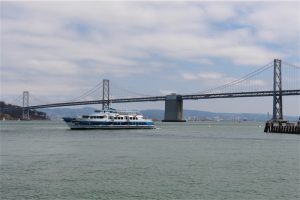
pixel 173 108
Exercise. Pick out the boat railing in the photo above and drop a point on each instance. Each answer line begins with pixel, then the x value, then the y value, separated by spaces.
pixel 129 113
pixel 121 112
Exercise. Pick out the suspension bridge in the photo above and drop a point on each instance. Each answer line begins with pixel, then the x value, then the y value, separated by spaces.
pixel 253 84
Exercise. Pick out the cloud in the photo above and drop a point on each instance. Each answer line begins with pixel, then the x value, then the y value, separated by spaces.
pixel 202 76
pixel 222 11
pixel 113 31
pixel 276 23
pixel 73 44
pixel 167 92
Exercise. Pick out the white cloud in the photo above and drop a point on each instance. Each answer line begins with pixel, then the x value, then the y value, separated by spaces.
pixel 167 92
pixel 277 22
pixel 202 76
pixel 83 41
pixel 183 31
pixel 221 11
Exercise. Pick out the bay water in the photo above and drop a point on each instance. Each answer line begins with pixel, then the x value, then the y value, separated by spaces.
pixel 194 160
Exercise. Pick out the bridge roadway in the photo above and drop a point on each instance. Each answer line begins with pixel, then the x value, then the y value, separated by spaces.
pixel 163 98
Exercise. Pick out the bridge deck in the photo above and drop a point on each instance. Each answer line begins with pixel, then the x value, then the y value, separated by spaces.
pixel 163 98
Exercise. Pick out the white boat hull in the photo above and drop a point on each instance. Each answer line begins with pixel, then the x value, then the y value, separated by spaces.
pixel 76 124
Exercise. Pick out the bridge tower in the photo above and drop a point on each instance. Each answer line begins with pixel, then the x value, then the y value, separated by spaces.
pixel 25 114
pixel 173 108
pixel 277 92
pixel 105 95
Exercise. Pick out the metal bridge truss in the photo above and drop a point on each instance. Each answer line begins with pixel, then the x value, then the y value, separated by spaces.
pixel 105 95
pixel 25 111
pixel 277 89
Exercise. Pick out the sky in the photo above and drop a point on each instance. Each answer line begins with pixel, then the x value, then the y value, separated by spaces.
pixel 59 50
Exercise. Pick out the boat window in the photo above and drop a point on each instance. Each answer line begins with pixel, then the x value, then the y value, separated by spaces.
pixel 130 118
pixel 85 116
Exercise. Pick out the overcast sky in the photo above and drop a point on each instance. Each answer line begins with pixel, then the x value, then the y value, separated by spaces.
pixel 58 50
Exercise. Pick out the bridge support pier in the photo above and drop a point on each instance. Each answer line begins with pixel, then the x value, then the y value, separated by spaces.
pixel 173 108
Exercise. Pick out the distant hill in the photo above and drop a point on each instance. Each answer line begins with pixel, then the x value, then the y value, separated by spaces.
pixel 58 113
pixel 197 115
pixel 13 112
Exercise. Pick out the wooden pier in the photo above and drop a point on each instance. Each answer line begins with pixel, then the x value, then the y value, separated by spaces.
pixel 273 126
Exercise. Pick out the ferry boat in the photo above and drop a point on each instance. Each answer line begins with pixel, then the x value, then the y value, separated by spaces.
pixel 110 119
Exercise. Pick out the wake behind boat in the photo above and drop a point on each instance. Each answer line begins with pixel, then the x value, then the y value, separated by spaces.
pixel 110 119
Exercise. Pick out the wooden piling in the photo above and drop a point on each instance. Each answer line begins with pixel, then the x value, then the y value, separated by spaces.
pixel 282 127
